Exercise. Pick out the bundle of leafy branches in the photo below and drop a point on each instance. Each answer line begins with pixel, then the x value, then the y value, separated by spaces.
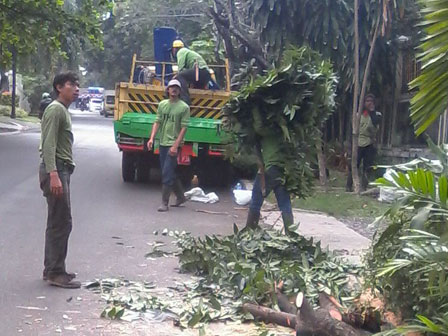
pixel 245 266
pixel 293 101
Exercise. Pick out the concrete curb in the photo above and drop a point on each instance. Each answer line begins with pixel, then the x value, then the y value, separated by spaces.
pixel 13 126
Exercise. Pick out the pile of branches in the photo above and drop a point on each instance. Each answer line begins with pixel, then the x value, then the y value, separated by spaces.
pixel 248 264
pixel 293 101
pixel 258 274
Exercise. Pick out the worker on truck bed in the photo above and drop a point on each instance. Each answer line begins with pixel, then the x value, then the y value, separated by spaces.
pixel 192 69
pixel 172 120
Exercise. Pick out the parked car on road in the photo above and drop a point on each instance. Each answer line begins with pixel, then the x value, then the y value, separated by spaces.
pixel 109 104
pixel 96 105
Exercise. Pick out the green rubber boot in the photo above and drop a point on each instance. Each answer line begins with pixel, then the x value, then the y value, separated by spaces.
pixel 253 217
pixel 288 222
pixel 166 191
pixel 179 192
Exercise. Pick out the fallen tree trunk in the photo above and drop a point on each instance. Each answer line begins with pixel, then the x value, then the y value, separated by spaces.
pixel 306 322
pixel 271 315
pixel 321 322
pixel 283 302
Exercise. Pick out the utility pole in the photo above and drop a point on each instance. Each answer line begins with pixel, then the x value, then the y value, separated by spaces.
pixel 14 65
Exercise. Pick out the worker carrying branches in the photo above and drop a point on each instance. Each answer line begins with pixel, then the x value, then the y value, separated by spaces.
pixel 192 69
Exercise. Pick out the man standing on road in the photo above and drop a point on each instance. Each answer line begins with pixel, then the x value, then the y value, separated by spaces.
pixel 54 175
pixel 368 128
pixel 172 119
pixel 191 68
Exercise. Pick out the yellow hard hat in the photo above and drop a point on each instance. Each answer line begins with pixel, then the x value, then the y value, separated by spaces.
pixel 178 44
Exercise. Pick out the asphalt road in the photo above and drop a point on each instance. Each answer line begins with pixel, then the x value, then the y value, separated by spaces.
pixel 112 224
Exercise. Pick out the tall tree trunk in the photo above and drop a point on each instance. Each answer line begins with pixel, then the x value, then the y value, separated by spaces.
pixel 355 122
pixel 322 164
pixel 360 102
pixel 341 126
pixel 13 96
pixel 397 93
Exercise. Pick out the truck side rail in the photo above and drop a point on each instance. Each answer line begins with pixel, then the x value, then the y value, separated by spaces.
pixel 164 65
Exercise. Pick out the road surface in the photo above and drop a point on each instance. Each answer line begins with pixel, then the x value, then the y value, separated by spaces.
pixel 112 224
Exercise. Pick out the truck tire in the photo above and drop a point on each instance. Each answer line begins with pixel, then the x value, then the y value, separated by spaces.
pixel 128 167
pixel 143 169
pixel 185 174
pixel 215 172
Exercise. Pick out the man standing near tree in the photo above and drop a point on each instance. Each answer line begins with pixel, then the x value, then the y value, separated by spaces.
pixel 270 177
pixel 368 129
pixel 54 175
pixel 172 120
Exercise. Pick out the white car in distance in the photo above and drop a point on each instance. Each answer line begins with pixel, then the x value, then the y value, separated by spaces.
pixel 96 105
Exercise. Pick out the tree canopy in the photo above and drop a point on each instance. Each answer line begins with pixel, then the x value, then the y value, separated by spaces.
pixel 24 25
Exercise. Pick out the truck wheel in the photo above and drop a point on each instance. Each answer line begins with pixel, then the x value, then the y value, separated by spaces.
pixel 215 172
pixel 143 169
pixel 185 174
pixel 128 167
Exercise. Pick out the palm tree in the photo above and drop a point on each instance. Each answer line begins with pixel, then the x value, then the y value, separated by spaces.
pixel 432 84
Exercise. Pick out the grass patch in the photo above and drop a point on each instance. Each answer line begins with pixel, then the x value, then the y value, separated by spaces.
pixel 338 203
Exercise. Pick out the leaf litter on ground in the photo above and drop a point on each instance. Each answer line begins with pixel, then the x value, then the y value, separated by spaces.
pixel 229 271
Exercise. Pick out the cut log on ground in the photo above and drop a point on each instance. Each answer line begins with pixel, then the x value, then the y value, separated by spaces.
pixel 321 323
pixel 271 315
pixel 306 322
pixel 283 302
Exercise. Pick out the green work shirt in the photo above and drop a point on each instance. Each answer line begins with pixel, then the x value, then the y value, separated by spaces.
pixel 56 140
pixel 186 59
pixel 367 131
pixel 270 142
pixel 172 117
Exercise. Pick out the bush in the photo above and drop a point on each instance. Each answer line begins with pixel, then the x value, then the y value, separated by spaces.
pixel 34 86
pixel 6 111
pixel 6 99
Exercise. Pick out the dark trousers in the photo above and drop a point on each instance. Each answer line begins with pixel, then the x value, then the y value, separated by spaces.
pixel 59 220
pixel 168 165
pixel 366 155
pixel 187 77
pixel 272 183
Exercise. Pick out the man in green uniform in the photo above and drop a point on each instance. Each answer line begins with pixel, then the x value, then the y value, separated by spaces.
pixel 368 128
pixel 269 177
pixel 172 120
pixel 54 175
pixel 192 69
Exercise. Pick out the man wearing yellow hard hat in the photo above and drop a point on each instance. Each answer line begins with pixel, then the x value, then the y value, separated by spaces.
pixel 192 69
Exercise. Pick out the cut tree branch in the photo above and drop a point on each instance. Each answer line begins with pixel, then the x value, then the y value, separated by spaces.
pixel 254 47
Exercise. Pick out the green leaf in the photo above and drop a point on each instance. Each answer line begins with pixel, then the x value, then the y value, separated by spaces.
pixel 431 325
pixel 443 190
pixel 195 319
pixel 215 303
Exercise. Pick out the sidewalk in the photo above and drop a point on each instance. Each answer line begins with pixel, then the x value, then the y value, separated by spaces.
pixel 333 234
pixel 11 126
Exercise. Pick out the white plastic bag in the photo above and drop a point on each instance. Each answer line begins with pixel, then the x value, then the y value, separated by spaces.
pixel 198 195
pixel 242 197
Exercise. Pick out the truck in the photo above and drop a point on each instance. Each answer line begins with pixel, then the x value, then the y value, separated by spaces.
pixel 109 103
pixel 135 111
